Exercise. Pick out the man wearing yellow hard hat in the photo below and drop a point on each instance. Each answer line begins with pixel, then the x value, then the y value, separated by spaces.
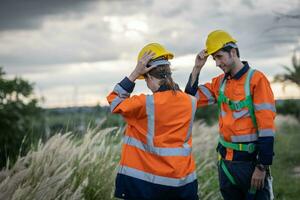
pixel 246 119
pixel 156 160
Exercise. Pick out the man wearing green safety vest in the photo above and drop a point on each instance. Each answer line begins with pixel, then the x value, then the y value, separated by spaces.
pixel 246 119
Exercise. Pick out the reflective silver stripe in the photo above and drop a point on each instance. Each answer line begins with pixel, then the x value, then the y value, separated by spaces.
pixel 223 113
pixel 150 116
pixel 115 102
pixel 266 133
pixel 221 81
pixel 208 94
pixel 194 107
pixel 265 106
pixel 197 96
pixel 244 138
pixel 121 92
pixel 158 62
pixel 162 180
pixel 222 85
pixel 240 114
pixel 161 151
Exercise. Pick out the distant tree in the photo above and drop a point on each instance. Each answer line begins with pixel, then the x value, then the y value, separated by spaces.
pixel 289 107
pixel 19 116
pixel 292 74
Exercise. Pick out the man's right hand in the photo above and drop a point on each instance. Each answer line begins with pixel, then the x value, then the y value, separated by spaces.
pixel 199 63
pixel 201 59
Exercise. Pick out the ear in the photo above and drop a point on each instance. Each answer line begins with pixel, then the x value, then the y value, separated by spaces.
pixel 148 76
pixel 233 52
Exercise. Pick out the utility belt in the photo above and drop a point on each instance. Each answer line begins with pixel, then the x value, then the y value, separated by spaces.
pixel 250 147
pixel 242 152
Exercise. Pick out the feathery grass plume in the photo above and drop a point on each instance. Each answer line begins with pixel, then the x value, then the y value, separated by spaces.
pixel 85 168
pixel 65 168
pixel 204 143
pixel 70 168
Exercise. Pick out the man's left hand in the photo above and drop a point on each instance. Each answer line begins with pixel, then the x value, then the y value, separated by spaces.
pixel 258 179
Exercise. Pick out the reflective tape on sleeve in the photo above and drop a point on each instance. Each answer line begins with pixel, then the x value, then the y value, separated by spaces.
pixel 265 106
pixel 115 103
pixel 208 94
pixel 266 133
pixel 121 92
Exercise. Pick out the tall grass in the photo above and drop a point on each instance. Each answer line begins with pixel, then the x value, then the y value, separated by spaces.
pixel 70 168
pixel 204 144
pixel 287 159
pixel 64 168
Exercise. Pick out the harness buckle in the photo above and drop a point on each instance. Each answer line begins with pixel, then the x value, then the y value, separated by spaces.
pixel 227 100
pixel 237 106
pixel 251 147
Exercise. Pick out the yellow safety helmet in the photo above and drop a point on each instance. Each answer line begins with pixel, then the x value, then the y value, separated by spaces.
pixel 159 50
pixel 216 40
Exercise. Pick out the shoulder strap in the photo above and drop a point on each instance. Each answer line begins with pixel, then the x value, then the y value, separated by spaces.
pixel 221 98
pixel 248 79
pixel 248 99
pixel 222 85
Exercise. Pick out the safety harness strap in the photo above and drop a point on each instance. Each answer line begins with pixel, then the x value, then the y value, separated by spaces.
pixel 250 148
pixel 226 171
pixel 236 106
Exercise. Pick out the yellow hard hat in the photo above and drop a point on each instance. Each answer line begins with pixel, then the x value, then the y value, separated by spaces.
pixel 216 40
pixel 158 49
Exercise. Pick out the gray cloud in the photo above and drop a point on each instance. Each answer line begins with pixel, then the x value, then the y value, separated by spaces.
pixel 29 14
pixel 179 25
pixel 48 40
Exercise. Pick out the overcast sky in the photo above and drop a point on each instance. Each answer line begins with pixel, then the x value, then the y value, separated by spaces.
pixel 75 51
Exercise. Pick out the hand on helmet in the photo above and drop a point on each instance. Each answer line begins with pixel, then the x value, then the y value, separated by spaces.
pixel 201 59
pixel 141 67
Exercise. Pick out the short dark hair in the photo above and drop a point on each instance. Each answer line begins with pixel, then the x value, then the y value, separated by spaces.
pixel 228 49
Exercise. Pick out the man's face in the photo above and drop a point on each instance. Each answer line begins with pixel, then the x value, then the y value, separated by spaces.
pixel 224 60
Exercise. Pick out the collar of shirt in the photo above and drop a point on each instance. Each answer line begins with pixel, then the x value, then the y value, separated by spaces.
pixel 240 73
pixel 165 88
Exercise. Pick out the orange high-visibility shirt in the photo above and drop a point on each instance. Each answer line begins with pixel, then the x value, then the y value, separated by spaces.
pixel 237 126
pixel 157 142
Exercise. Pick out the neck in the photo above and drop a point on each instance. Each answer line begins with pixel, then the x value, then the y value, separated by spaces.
pixel 237 66
pixel 154 84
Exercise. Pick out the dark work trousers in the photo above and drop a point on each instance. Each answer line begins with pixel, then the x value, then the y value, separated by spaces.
pixel 242 173
pixel 130 188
